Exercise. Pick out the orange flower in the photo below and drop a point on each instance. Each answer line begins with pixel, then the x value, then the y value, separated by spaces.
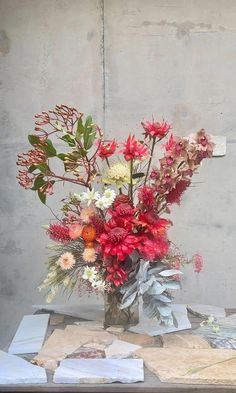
pixel 88 233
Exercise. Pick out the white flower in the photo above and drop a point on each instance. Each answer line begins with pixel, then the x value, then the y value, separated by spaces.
pixel 89 273
pixel 109 194
pixel 89 196
pixel 99 284
pixel 102 203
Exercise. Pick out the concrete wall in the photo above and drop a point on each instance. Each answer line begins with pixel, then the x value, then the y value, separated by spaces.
pixel 122 61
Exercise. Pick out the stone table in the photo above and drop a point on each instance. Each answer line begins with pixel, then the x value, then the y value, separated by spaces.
pixel 151 384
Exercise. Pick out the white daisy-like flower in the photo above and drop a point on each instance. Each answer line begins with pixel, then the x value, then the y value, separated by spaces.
pixel 89 273
pixel 102 203
pixel 109 194
pixel 99 284
pixel 89 196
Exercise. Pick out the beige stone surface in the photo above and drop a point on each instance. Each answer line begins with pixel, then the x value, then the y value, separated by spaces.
pixel 191 366
pixel 61 343
pixel 56 319
pixel 90 335
pixel 184 341
pixel 138 339
pixel 56 348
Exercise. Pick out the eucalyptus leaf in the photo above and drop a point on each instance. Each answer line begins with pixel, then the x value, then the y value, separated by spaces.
pixel 128 301
pixel 164 310
pixel 172 285
pixel 163 298
pixel 169 272
pixel 144 286
pixel 156 288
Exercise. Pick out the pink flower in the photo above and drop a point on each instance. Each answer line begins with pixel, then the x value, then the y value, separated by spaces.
pixel 106 149
pixel 198 263
pixel 58 233
pixel 134 149
pixel 155 129
pixel 75 231
pixel 146 196
pixel 174 196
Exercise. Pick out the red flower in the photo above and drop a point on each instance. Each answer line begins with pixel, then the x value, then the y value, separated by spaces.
pixel 155 225
pixel 155 129
pixel 116 275
pixel 106 149
pixel 133 149
pixel 152 248
pixel 146 196
pixel 121 199
pixel 118 242
pixel 59 233
pixel 123 211
pixel 174 196
pixel 170 143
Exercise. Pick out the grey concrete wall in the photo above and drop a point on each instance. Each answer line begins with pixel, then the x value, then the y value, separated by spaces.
pixel 121 61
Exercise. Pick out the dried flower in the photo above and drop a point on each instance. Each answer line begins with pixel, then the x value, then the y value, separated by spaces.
pixel 75 231
pixel 66 261
pixel 198 263
pixel 86 214
pixel 89 255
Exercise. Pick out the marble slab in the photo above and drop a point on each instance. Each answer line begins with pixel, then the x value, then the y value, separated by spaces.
pixel 15 370
pixel 191 366
pixel 173 340
pixel 120 349
pixel 30 334
pixel 93 312
pixel 220 145
pixel 99 371
pixel 154 328
pixel 206 310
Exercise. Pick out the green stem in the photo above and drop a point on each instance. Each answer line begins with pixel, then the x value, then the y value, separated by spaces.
pixel 131 181
pixel 108 164
pixel 150 159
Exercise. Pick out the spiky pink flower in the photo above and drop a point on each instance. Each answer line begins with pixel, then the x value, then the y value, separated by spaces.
pixel 155 129
pixel 134 149
pixel 58 233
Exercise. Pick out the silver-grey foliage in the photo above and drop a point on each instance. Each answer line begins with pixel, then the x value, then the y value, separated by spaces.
pixel 152 282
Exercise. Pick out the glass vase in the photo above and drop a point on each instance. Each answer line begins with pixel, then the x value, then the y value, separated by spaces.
pixel 114 316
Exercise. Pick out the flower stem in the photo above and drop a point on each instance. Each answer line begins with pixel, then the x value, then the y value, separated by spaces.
pixel 150 159
pixel 131 181
pixel 108 164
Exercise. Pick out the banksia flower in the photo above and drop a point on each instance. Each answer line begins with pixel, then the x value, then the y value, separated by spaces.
pixel 59 233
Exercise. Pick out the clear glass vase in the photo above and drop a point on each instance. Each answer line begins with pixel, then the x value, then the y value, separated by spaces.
pixel 114 316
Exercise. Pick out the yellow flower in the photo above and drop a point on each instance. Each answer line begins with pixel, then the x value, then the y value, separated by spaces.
pixel 118 174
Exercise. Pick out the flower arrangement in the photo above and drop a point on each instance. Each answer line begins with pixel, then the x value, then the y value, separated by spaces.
pixel 112 237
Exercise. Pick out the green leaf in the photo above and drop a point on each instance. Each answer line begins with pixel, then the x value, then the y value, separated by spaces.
pixel 80 129
pixel 89 138
pixel 49 148
pixel 34 140
pixel 69 139
pixel 62 156
pixel 44 168
pixel 42 197
pixel 128 301
pixel 38 183
pixel 170 272
pixel 138 175
pixel 32 168
pixel 88 122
